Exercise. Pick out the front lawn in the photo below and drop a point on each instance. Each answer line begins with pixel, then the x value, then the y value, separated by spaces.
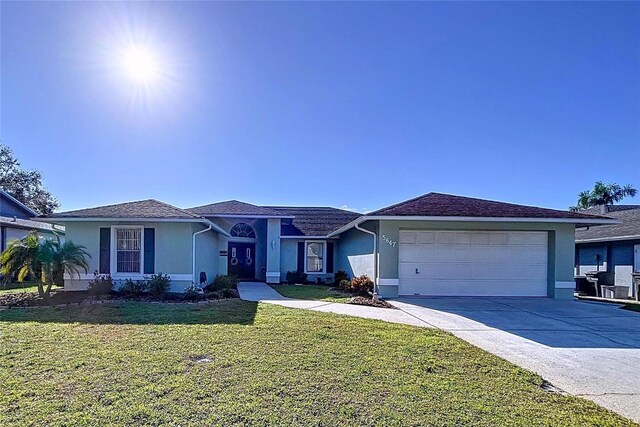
pixel 239 363
pixel 632 306
pixel 315 292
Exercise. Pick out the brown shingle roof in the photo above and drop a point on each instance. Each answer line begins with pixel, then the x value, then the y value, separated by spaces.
pixel 234 207
pixel 438 204
pixel 140 209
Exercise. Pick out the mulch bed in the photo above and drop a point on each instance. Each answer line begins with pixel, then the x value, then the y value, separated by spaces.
pixel 370 302
pixel 31 299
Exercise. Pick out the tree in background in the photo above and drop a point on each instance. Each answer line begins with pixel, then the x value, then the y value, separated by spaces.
pixel 24 185
pixel 603 195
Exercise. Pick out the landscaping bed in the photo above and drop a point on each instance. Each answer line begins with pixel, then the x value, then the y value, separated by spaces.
pixel 235 363
pixel 31 299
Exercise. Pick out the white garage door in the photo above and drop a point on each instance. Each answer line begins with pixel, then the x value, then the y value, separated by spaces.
pixel 473 263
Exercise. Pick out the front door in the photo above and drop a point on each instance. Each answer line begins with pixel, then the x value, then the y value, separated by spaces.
pixel 242 260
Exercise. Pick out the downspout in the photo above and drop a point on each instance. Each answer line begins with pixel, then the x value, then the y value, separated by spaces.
pixel 375 259
pixel 193 254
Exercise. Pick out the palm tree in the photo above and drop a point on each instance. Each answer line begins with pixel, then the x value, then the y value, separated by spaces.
pixel 45 260
pixel 61 258
pixel 603 195
pixel 22 258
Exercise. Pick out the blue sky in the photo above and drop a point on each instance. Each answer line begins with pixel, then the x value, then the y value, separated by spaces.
pixel 337 104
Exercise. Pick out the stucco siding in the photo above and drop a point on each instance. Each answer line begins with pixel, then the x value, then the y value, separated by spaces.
pixel 207 253
pixel 355 252
pixel 173 250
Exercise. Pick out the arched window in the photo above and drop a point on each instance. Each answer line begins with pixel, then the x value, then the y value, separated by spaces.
pixel 242 229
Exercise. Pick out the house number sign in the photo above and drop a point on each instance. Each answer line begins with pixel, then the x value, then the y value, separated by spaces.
pixel 389 242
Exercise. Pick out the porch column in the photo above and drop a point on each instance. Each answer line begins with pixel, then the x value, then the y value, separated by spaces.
pixel 273 250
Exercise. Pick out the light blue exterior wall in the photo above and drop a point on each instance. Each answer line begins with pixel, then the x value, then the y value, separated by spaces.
pixel 288 257
pixel 355 252
pixel 173 250
pixel 273 250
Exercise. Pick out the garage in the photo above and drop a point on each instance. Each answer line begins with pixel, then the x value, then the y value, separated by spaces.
pixel 472 263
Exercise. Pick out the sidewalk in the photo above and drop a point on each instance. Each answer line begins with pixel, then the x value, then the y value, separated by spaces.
pixel 261 292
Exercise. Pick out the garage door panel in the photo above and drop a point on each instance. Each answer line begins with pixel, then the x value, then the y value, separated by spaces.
pixel 474 263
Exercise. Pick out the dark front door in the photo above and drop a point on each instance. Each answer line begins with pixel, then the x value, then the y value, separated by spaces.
pixel 242 260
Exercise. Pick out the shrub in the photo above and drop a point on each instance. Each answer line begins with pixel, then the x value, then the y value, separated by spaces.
pixel 339 276
pixel 193 292
pixel 133 289
pixel 362 285
pixel 319 281
pixel 294 277
pixel 222 281
pixel 344 285
pixel 102 284
pixel 158 284
pixel 229 293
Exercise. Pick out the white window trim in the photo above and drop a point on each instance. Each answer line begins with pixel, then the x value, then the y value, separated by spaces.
pixel 114 253
pixel 324 256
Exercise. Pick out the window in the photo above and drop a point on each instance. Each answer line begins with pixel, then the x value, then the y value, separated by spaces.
pixel 315 257
pixel 128 250
pixel 242 229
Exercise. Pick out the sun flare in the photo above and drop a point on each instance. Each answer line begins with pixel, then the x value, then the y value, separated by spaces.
pixel 141 65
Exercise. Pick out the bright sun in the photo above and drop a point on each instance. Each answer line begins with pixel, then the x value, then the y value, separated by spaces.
pixel 140 65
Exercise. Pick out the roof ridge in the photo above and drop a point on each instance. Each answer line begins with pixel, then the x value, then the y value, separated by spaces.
pixel 404 201
pixel 174 207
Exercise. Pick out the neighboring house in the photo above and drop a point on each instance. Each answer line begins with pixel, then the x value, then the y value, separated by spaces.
pixel 435 244
pixel 16 223
pixel 614 248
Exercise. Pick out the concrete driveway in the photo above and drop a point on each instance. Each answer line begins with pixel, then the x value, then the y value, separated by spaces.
pixel 586 349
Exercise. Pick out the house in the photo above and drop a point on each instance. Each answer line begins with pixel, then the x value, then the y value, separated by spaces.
pixel 435 244
pixel 16 222
pixel 614 248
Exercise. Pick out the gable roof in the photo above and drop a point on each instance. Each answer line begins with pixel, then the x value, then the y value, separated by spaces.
pixel 629 228
pixel 313 221
pixel 448 205
pixel 18 203
pixel 235 208
pixel 142 209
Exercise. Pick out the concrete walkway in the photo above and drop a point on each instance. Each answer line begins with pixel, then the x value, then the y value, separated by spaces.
pixel 586 349
pixel 260 292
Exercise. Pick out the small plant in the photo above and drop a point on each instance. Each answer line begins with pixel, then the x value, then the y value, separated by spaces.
pixel 133 288
pixel 158 284
pixel 319 281
pixel 102 284
pixel 339 276
pixel 344 285
pixel 193 292
pixel 294 277
pixel 362 285
pixel 222 281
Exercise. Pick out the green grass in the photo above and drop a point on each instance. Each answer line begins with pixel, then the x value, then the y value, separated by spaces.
pixel 632 307
pixel 14 287
pixel 136 364
pixel 314 292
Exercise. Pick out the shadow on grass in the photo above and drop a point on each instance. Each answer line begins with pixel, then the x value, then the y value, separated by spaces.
pixel 140 313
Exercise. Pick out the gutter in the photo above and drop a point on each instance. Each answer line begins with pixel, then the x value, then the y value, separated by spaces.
pixel 375 260
pixel 193 254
